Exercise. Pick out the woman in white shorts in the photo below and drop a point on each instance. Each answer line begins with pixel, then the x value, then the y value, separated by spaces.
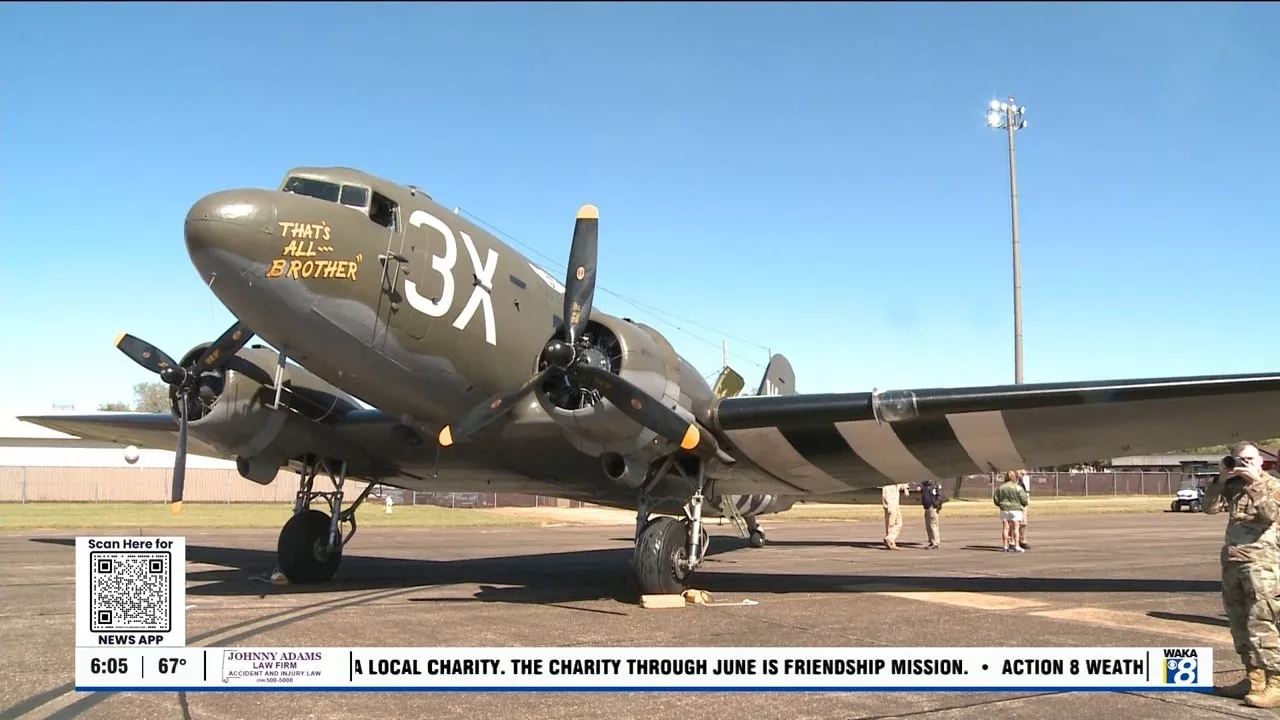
pixel 1012 499
pixel 1012 521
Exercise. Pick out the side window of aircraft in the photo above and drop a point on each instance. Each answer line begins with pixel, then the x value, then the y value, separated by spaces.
pixel 383 211
pixel 313 188
pixel 355 196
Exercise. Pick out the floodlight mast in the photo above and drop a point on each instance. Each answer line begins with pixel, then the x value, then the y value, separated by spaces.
pixel 1008 116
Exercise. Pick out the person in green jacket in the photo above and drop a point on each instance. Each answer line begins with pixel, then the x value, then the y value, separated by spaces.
pixel 1012 499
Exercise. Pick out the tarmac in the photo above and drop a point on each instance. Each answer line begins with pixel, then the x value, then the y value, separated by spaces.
pixel 1104 580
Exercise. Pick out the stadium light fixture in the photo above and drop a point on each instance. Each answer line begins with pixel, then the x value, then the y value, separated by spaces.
pixel 1008 116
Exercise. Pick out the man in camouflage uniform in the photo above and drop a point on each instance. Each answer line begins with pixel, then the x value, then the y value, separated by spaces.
pixel 1250 583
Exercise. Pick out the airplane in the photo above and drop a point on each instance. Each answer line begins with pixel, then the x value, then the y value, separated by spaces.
pixel 482 372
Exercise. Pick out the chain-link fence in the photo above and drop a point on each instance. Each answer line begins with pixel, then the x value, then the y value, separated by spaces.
pixel 1082 484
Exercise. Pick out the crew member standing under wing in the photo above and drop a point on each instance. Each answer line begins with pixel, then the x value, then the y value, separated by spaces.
pixel 1026 485
pixel 931 499
pixel 1250 581
pixel 889 498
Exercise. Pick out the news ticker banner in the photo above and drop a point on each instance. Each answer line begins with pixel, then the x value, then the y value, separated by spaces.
pixel 630 669
pixel 131 635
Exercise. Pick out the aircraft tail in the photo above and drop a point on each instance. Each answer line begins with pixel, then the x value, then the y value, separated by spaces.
pixel 779 378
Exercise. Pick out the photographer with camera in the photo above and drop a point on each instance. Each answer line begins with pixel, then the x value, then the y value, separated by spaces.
pixel 1250 582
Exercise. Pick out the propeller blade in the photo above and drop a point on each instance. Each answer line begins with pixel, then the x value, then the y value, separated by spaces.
pixel 226 346
pixel 144 353
pixel 580 283
pixel 497 406
pixel 180 456
pixel 643 408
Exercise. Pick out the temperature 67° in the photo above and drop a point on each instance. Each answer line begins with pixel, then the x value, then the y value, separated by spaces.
pixel 171 665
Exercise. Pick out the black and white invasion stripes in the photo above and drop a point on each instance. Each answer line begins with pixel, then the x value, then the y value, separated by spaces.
pixel 837 457
pixel 826 444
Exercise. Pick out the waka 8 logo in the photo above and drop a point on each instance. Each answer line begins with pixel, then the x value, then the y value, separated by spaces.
pixel 1181 667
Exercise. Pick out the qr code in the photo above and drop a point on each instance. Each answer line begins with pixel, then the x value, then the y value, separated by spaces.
pixel 130 591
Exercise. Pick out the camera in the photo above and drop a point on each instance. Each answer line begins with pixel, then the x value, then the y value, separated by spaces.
pixel 1231 462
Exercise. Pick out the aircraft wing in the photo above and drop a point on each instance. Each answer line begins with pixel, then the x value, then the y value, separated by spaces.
pixel 156 431
pixel 367 439
pixel 826 443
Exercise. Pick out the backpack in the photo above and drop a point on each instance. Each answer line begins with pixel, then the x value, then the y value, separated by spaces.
pixel 935 494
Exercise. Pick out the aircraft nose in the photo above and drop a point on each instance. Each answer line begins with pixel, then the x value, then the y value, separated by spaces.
pixel 229 227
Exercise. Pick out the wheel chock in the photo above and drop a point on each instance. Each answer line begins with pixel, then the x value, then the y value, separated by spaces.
pixel 691 596
pixel 654 602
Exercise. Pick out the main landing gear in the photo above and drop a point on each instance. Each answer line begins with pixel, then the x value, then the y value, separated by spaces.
pixel 669 550
pixel 310 545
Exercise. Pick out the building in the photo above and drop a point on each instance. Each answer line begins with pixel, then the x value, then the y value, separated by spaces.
pixel 25 445
pixel 1161 463
pixel 42 465
pixel 1175 463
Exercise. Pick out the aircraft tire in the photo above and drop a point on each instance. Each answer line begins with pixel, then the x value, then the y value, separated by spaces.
pixel 656 562
pixel 757 539
pixel 300 551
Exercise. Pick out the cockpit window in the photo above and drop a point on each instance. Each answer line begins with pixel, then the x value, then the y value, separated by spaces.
pixel 355 196
pixel 312 188
pixel 383 211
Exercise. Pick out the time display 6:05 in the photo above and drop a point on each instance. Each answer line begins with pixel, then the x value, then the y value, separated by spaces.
pixel 110 666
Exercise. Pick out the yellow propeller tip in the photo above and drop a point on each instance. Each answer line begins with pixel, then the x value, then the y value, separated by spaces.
pixel 176 507
pixel 446 436
pixel 588 212
pixel 691 438
pixel 120 339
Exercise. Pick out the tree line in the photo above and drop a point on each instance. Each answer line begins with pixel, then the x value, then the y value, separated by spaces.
pixel 148 397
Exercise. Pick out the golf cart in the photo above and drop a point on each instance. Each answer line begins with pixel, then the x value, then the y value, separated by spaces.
pixel 1191 493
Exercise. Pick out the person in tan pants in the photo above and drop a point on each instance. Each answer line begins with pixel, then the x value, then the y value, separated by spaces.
pixel 931 498
pixel 889 498
pixel 1026 485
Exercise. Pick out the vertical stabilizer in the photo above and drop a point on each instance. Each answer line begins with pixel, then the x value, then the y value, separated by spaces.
pixel 779 378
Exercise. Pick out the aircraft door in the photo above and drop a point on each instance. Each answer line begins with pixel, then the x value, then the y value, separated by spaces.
pixel 729 384
pixel 394 266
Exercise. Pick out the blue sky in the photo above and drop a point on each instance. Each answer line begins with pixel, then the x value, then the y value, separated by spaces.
pixel 815 179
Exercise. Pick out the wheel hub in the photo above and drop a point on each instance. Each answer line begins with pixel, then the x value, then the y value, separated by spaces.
pixel 679 563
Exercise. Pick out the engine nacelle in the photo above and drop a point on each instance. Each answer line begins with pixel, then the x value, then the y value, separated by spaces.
pixel 234 414
pixel 595 426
